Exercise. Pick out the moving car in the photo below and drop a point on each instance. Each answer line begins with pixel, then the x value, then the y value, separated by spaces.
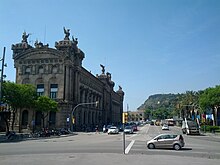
pixel 113 130
pixel 128 129
pixel 166 141
pixel 165 127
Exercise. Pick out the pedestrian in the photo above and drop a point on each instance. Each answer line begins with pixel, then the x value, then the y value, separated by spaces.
pixel 97 129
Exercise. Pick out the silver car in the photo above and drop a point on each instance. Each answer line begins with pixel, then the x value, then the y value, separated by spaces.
pixel 128 129
pixel 165 127
pixel 166 141
pixel 113 130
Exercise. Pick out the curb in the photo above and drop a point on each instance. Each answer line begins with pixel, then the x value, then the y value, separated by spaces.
pixel 25 137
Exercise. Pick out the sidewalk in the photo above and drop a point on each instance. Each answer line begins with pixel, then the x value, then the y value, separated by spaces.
pixel 217 135
pixel 24 136
pixel 102 158
pixel 2 137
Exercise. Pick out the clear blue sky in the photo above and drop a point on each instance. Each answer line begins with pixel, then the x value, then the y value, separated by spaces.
pixel 149 46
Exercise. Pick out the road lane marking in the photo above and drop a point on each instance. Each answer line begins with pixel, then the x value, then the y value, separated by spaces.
pixel 147 129
pixel 129 147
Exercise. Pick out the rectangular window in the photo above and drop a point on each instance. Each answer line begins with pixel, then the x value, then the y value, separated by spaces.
pixel 40 89
pixel 53 91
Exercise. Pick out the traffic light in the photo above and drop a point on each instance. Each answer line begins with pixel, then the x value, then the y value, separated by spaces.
pixel 124 117
pixel 73 120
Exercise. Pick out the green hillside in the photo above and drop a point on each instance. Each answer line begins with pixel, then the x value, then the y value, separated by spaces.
pixel 161 101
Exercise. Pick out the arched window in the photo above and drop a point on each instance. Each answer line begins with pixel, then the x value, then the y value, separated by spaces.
pixel 53 91
pixel 84 118
pixel 89 117
pixel 52 118
pixel 24 118
pixel 81 96
pixel 100 117
pixel 38 118
pixel 40 89
pixel 79 117
pixel 93 117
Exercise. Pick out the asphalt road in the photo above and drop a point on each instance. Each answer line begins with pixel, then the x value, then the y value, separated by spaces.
pixel 92 148
pixel 195 146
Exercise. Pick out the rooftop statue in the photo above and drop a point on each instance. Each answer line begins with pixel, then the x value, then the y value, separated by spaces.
pixel 103 68
pixel 24 37
pixel 109 75
pixel 67 33
pixel 75 40
pixel 40 45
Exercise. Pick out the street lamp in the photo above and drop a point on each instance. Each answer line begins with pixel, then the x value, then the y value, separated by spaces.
pixel 73 110
pixel 2 73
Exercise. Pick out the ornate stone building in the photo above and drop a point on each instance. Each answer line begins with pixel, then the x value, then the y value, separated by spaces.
pixel 58 73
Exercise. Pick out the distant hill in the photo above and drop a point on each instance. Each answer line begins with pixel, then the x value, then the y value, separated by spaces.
pixel 160 100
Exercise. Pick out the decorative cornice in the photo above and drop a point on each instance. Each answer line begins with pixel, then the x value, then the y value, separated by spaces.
pixel 36 51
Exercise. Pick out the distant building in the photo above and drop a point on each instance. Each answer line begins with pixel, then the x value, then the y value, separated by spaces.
pixel 58 73
pixel 136 115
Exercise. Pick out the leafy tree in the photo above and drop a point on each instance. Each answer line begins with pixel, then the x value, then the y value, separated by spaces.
pixel 161 113
pixel 210 99
pixel 18 96
pixel 147 114
pixel 187 103
pixel 45 105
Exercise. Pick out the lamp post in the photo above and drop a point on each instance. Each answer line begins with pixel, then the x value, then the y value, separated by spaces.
pixel 73 110
pixel 2 74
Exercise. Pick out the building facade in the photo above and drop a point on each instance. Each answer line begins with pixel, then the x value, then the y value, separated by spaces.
pixel 58 73
pixel 136 116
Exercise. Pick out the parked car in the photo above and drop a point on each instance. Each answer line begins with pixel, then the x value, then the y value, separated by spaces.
pixel 165 127
pixel 129 129
pixel 151 123
pixel 135 127
pixel 166 141
pixel 113 130
pixel 105 128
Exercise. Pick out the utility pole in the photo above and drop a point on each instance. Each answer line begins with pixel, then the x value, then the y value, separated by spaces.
pixel 2 74
pixel 73 110
pixel 124 121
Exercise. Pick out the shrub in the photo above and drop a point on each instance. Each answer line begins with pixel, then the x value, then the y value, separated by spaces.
pixel 208 128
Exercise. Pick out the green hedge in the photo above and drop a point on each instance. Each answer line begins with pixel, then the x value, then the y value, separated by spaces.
pixel 208 128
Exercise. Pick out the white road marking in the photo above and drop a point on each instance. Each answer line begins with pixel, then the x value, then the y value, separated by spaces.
pixel 129 147
pixel 147 129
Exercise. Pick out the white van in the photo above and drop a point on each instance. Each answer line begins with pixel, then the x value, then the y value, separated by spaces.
pixel 190 127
